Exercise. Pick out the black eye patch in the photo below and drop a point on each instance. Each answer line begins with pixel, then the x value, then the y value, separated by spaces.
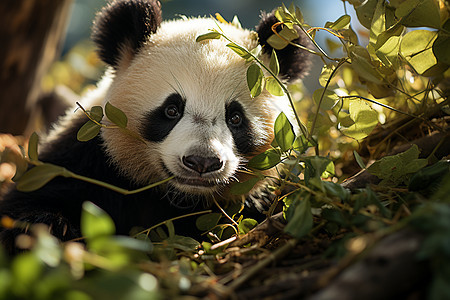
pixel 240 127
pixel 158 123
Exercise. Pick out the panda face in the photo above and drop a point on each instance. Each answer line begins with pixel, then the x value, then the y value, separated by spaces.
pixel 190 102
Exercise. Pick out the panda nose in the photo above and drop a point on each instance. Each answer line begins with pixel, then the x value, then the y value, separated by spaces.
pixel 202 164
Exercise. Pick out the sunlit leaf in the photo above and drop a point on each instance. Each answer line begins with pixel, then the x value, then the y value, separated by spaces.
pixel 273 87
pixel 88 131
pixel 416 48
pixel 365 119
pixel 239 50
pixel 39 176
pixel 208 36
pixel 95 222
pixel 241 188
pixel 265 160
pixel 362 64
pixel 273 64
pixel 365 12
pixel 246 225
pixel 284 135
pixel 419 13
pixel 115 115
pixel 340 23
pixel 255 80
pixel 377 27
pixel 329 100
pixel 287 35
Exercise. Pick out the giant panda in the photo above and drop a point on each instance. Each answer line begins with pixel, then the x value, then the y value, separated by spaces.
pixel 189 104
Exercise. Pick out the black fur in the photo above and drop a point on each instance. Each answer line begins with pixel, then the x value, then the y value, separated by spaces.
pixel 243 134
pixel 124 26
pixel 294 62
pixel 58 203
pixel 156 124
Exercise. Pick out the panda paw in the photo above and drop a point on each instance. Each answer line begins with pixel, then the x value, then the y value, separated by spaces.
pixel 29 226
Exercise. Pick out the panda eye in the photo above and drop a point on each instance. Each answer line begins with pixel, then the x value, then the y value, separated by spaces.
pixel 235 119
pixel 172 111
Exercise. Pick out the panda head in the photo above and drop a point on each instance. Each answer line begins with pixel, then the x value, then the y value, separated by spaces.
pixel 188 100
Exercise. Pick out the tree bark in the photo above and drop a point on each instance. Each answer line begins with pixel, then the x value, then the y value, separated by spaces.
pixel 31 33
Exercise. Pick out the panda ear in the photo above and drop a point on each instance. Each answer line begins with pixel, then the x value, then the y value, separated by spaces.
pixel 121 28
pixel 294 62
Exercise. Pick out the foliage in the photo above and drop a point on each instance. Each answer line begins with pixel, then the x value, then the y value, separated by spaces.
pixel 400 72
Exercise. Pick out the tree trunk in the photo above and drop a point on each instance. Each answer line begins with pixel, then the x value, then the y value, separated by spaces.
pixel 31 34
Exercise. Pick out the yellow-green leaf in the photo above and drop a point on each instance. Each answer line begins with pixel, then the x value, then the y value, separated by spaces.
pixel 208 36
pixel 95 222
pixel 329 100
pixel 273 87
pixel 255 80
pixel 416 48
pixel 284 135
pixel 273 64
pixel 419 13
pixel 365 119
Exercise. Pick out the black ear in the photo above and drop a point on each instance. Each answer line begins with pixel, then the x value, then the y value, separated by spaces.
pixel 123 26
pixel 294 62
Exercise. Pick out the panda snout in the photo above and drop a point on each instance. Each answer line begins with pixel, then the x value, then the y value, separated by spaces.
pixel 202 164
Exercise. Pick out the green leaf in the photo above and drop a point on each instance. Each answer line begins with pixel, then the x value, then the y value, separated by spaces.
pixel 33 146
pixel 388 45
pixel 340 23
pixel 419 13
pixel 239 50
pixel 26 269
pixel 273 64
pixel 208 221
pixel 442 44
pixel 284 135
pixel 246 225
pixel 377 27
pixel 96 113
pixel 336 190
pixel 208 36
pixel 416 48
pixel 365 12
pixel 287 35
pixel 39 176
pixel 299 217
pixel 397 169
pixel 242 188
pixel 299 15
pixel 325 74
pixel 88 131
pixel 330 99
pixel 365 119
pixel 359 160
pixel 265 160
pixel 273 87
pixel 95 222
pixel 115 115
pixel 255 80
pixel 362 64
pixel 429 176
